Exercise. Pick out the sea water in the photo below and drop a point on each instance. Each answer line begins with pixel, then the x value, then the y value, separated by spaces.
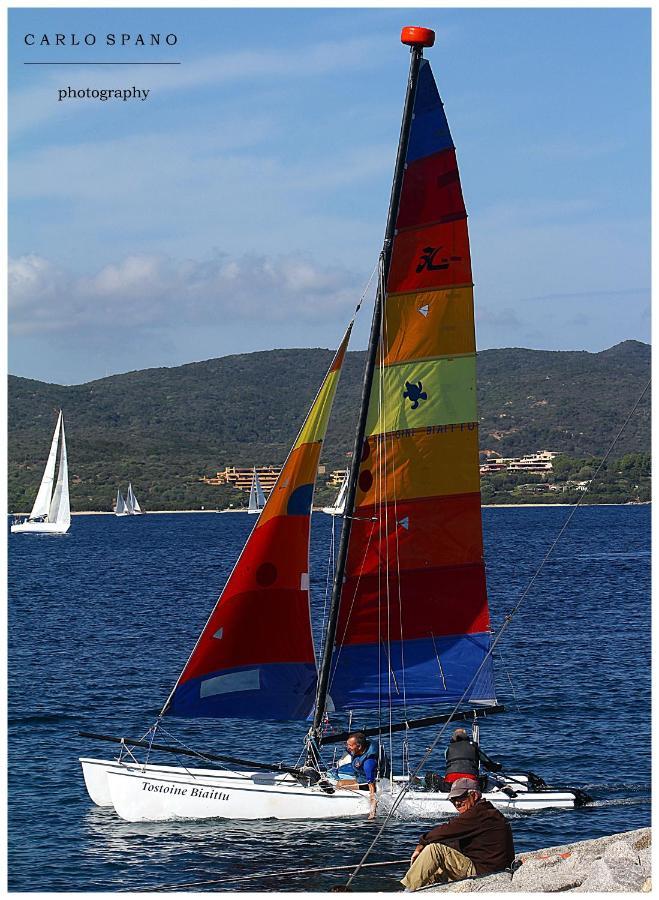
pixel 102 620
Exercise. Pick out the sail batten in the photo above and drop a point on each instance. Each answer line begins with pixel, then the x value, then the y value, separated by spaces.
pixel 413 618
pixel 255 656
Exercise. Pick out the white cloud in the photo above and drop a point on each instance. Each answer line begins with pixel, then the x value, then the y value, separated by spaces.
pixel 154 293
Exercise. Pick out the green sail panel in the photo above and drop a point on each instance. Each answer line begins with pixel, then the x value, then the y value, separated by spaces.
pixel 422 393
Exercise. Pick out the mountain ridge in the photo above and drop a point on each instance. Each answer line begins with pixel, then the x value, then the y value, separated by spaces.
pixel 168 426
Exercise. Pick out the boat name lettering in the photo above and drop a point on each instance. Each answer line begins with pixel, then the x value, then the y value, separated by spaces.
pixel 163 788
pixel 208 795
pixel 443 429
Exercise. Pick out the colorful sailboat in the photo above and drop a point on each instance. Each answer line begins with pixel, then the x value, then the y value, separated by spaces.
pixel 408 622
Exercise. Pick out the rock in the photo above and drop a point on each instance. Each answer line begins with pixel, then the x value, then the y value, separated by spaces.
pixel 644 841
pixel 557 872
pixel 623 851
pixel 645 860
pixel 604 876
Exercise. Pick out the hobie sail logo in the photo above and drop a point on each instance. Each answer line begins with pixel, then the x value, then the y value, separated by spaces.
pixel 431 260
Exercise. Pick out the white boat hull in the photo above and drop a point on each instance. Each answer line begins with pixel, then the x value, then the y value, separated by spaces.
pixel 158 796
pixel 159 793
pixel 95 775
pixel 40 528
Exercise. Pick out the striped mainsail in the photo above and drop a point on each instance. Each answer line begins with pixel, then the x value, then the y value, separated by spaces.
pixel 413 620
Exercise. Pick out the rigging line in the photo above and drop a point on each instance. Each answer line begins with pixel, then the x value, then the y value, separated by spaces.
pixel 331 565
pixel 510 680
pixel 202 757
pixel 338 645
pixel 368 284
pixel 189 884
pixel 490 652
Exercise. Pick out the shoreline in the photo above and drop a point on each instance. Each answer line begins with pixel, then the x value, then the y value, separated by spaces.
pixel 163 512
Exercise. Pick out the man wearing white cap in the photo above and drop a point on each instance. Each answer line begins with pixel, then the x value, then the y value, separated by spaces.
pixel 478 841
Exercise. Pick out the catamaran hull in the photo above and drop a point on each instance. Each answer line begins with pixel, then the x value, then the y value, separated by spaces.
pixel 156 797
pixel 95 774
pixel 40 528
pixel 158 793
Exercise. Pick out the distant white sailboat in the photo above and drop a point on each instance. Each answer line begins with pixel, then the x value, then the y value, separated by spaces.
pixel 340 502
pixel 120 508
pixel 51 513
pixel 133 508
pixel 256 495
pixel 129 506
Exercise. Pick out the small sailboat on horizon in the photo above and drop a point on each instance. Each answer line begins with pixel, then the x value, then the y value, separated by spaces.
pixel 128 506
pixel 132 506
pixel 51 513
pixel 256 495
pixel 120 508
pixel 340 503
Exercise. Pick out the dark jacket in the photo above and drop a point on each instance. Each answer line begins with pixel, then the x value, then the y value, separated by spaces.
pixel 464 756
pixel 481 833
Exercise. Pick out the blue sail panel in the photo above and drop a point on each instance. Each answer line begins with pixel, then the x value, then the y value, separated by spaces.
pixel 276 691
pixel 429 132
pixel 426 671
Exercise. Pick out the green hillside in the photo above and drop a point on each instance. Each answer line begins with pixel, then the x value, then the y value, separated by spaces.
pixel 164 429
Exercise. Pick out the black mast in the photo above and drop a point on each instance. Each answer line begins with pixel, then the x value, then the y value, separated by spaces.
pixel 417 39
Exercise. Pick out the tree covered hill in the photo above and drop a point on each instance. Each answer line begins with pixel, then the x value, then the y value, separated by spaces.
pixel 166 428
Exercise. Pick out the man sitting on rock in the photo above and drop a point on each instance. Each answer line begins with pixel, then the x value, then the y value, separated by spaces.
pixel 478 841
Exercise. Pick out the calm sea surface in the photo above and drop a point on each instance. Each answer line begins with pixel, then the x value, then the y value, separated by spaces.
pixel 102 620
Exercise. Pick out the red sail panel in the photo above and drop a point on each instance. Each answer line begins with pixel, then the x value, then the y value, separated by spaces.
pixel 414 607
pixel 255 656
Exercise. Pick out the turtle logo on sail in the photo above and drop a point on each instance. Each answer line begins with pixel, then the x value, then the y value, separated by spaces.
pixel 414 392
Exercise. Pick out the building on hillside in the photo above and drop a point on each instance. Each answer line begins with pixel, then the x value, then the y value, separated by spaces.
pixel 241 477
pixel 540 462
pixel 336 477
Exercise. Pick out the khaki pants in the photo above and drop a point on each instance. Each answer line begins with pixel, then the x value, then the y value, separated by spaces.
pixel 437 864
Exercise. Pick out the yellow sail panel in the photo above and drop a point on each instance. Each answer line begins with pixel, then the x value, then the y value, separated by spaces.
pixel 429 324
pixel 422 393
pixel 433 462
pixel 316 424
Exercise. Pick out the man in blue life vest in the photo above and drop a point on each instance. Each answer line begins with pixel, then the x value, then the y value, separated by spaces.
pixel 359 769
pixel 464 758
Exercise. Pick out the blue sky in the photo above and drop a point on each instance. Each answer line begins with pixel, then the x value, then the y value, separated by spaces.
pixel 241 206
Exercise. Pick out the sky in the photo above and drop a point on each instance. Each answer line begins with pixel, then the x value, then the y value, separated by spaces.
pixel 242 205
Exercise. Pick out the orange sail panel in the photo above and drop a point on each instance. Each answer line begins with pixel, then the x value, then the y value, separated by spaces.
pixel 413 620
pixel 255 656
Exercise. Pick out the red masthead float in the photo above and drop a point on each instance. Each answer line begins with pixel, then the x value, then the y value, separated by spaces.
pixel 414 36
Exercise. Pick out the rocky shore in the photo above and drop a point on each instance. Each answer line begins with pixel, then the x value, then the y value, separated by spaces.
pixel 619 862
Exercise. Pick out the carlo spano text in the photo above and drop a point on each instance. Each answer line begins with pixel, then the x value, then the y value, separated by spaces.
pixel 203 793
pixel 102 94
pixel 110 40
